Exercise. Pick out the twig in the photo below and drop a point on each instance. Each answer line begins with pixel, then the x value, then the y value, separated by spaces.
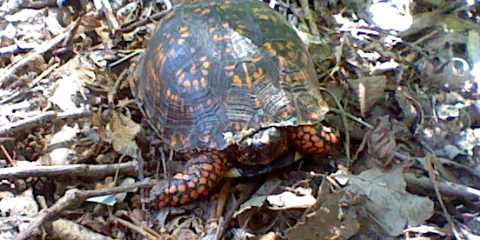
pixel 7 155
pixel 40 4
pixel 12 69
pixel 310 18
pixel 13 49
pixel 84 170
pixel 446 188
pixel 343 115
pixel 138 229
pixel 71 197
pixel 40 119
pixel 44 74
pixel 144 21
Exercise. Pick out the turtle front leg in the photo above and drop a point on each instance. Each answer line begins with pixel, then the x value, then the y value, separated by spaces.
pixel 201 174
pixel 315 139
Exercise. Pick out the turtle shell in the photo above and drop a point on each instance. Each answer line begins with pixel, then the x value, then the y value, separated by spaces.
pixel 216 71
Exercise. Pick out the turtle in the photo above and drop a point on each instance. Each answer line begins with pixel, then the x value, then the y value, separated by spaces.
pixel 228 81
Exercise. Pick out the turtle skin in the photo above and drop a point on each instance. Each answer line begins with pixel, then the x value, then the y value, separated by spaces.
pixel 226 81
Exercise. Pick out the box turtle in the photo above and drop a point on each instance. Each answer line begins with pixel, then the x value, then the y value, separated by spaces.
pixel 226 81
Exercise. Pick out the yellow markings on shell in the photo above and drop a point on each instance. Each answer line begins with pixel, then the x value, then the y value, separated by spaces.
pixel 206 64
pixel 288 78
pixel 237 81
pixel 173 142
pixel 259 74
pixel 205 11
pixel 183 29
pixel 282 61
pixel 269 47
pixel 290 44
pixel 300 76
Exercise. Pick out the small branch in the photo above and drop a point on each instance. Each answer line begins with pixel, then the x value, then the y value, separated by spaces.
pixel 72 197
pixel 139 229
pixel 83 170
pixel 145 21
pixel 13 49
pixel 12 69
pixel 39 4
pixel 446 188
pixel 40 119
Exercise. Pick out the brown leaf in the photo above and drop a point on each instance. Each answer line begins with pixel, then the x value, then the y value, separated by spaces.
pixel 381 141
pixel 388 204
pixel 122 135
pixel 369 90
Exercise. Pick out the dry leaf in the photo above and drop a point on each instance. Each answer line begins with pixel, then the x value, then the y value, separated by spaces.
pixel 381 141
pixel 389 205
pixel 122 135
pixel 369 90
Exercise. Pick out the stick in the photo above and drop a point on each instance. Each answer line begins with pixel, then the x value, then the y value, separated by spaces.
pixel 82 170
pixel 12 69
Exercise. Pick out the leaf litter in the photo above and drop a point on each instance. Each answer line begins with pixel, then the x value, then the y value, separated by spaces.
pixel 404 94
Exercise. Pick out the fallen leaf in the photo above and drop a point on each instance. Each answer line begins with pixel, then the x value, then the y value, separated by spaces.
pixel 122 135
pixel 389 205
